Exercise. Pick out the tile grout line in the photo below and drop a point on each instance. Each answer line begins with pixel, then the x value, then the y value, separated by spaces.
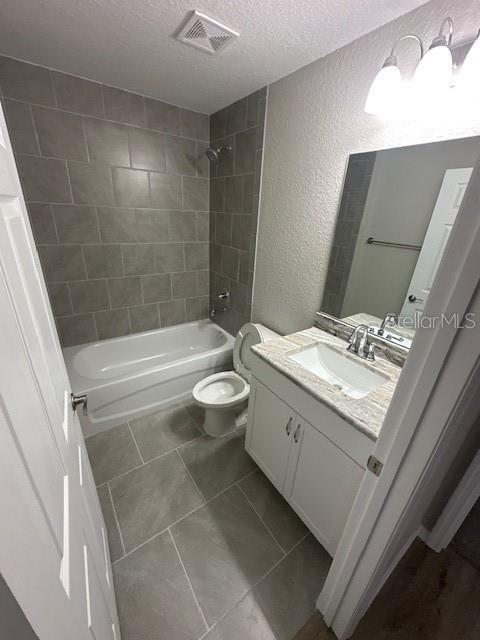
pixel 139 466
pixel 284 553
pixel 281 560
pixel 116 521
pixel 197 602
pixel 117 122
pixel 173 524
pixel 136 444
pixel 156 535
pixel 244 595
pixel 190 476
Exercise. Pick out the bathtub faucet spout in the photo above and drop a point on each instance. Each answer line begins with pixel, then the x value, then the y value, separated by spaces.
pixel 214 311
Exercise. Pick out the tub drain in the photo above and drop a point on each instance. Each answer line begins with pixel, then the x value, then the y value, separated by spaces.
pixel 338 387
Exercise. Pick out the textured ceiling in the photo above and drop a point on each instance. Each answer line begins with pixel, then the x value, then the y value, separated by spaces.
pixel 129 43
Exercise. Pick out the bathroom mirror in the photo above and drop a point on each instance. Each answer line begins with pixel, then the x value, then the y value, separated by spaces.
pixel 396 212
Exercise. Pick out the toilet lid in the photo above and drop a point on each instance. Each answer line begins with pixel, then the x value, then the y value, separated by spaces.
pixel 248 335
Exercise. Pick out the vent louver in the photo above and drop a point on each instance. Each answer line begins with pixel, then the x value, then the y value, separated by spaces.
pixel 206 34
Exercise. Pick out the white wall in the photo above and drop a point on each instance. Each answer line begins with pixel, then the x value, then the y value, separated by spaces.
pixel 403 191
pixel 315 120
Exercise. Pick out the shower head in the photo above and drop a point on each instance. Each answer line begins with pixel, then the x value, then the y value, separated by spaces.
pixel 215 155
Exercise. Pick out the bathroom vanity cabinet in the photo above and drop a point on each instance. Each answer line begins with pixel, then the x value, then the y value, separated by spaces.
pixel 313 457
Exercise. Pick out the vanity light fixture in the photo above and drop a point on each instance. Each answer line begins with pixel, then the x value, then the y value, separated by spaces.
pixel 433 74
pixel 386 89
pixel 432 77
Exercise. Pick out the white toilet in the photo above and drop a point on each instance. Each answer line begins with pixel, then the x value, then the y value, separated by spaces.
pixel 224 394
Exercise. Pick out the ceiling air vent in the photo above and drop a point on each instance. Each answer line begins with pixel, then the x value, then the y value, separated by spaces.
pixel 206 34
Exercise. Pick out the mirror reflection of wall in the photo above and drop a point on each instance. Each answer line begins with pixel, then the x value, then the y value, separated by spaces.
pixel 406 200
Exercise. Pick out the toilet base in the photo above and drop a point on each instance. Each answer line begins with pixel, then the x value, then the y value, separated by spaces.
pixel 220 423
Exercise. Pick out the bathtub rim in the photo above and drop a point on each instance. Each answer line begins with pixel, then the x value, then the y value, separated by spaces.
pixel 81 384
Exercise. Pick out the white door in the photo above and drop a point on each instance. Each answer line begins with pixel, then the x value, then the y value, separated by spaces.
pixel 321 484
pixel 446 208
pixel 269 433
pixel 53 546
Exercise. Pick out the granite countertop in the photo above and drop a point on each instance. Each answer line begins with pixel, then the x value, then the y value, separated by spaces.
pixel 365 414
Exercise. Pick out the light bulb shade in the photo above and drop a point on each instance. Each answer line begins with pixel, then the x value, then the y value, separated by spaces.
pixel 433 74
pixel 469 75
pixel 384 91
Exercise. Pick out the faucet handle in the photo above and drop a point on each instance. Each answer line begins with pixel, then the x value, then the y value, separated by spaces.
pixel 369 351
pixel 352 346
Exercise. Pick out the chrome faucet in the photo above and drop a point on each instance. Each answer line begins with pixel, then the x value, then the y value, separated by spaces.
pixel 360 343
pixel 223 296
pixel 389 320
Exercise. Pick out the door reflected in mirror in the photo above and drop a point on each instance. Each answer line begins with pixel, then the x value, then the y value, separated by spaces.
pixel 397 210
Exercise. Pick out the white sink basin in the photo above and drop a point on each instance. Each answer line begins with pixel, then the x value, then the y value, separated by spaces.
pixel 350 377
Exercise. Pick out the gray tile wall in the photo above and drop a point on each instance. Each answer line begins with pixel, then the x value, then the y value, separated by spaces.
pixel 234 199
pixel 352 206
pixel 117 188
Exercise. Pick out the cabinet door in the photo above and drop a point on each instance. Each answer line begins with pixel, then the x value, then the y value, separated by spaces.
pixel 270 434
pixel 321 483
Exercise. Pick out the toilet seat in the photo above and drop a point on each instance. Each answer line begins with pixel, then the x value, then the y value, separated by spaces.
pixel 249 335
pixel 223 394
pixel 223 390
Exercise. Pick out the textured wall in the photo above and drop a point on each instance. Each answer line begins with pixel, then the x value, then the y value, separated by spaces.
pixel 234 197
pixel 315 120
pixel 117 190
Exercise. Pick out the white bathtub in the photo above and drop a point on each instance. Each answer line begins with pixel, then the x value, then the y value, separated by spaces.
pixel 127 377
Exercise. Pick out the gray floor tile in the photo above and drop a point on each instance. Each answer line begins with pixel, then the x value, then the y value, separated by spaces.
pixel 152 497
pixel 288 594
pixel 111 453
pixel 154 598
pixel 162 431
pixel 275 512
pixel 225 549
pixel 245 621
pixel 196 412
pixel 216 463
pixel 114 542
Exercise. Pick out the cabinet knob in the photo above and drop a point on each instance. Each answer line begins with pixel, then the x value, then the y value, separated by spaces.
pixel 288 427
pixel 296 435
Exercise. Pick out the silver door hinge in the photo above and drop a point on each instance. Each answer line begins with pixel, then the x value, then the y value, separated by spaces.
pixel 374 465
